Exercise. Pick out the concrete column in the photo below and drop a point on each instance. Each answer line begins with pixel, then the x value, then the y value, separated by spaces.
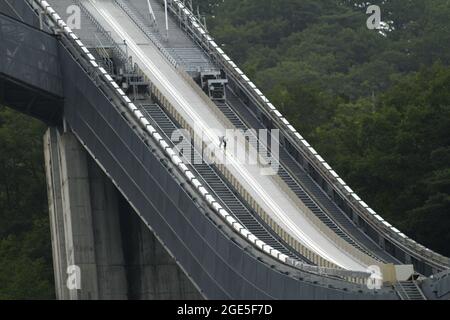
pixel 77 212
pixel 52 171
pixel 84 217
pixel 96 230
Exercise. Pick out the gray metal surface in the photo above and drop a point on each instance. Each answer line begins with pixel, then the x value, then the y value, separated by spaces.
pixel 217 185
pixel 29 55
pixel 30 77
pixel 19 10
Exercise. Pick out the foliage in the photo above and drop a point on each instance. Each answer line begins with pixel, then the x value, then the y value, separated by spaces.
pixel 397 153
pixel 25 255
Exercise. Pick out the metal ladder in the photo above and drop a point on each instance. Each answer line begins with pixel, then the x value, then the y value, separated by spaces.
pixel 409 290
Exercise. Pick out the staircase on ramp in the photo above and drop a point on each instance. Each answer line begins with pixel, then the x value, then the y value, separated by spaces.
pixel 409 290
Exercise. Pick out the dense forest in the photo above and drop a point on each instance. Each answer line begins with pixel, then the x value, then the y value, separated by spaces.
pixel 375 104
pixel 26 269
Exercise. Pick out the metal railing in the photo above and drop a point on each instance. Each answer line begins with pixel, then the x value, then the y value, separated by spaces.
pixel 115 47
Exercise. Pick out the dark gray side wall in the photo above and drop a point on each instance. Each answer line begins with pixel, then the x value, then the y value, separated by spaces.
pixel 30 76
pixel 152 274
pixel 20 10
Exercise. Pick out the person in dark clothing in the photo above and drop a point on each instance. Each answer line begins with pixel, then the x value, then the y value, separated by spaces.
pixel 223 141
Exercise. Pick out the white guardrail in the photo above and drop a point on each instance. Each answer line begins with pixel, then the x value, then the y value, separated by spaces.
pixel 338 183
pixel 359 277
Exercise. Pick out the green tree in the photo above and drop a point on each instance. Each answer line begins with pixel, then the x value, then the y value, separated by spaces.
pixel 25 246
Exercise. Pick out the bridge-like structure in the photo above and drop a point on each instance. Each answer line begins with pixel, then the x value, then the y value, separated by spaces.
pixel 131 95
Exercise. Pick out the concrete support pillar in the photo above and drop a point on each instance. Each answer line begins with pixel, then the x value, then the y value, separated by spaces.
pixel 94 229
pixel 77 212
pixel 84 214
pixel 51 153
